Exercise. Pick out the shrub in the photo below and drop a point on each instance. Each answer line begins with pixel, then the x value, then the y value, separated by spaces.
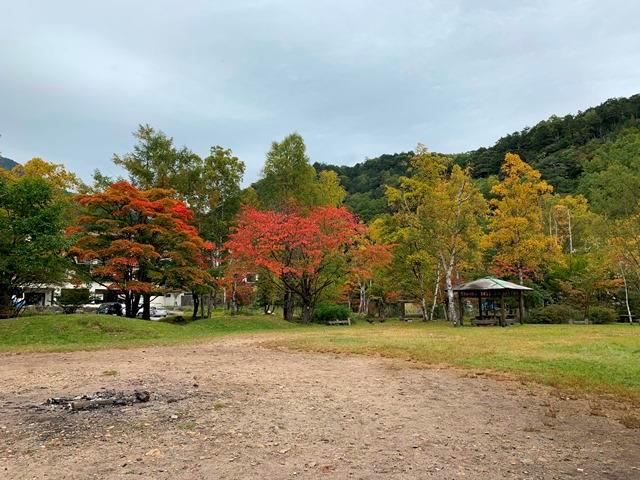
pixel 555 313
pixel 326 312
pixel 600 315
pixel 33 311
pixel 72 298
pixel 176 319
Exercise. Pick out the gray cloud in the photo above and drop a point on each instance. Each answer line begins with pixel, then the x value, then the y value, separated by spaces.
pixel 356 78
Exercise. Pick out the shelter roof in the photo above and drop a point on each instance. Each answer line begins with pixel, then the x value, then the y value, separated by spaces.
pixel 490 284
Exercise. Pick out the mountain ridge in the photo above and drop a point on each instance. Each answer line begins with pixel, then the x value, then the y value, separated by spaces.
pixel 7 163
pixel 558 147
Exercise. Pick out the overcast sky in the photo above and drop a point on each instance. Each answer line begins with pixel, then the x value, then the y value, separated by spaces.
pixel 355 78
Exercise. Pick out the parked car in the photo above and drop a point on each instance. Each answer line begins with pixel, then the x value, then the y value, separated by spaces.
pixel 110 308
pixel 158 312
pixel 155 312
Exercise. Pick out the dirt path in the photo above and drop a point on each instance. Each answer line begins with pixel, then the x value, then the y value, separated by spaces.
pixel 231 410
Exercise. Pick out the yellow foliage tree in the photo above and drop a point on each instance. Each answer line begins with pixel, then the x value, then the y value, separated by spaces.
pixel 53 173
pixel 443 205
pixel 571 222
pixel 625 247
pixel 516 227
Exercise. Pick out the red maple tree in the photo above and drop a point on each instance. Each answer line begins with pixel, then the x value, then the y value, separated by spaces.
pixel 138 242
pixel 304 249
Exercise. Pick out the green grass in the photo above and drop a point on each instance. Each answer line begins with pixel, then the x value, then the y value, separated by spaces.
pixel 601 359
pixel 88 332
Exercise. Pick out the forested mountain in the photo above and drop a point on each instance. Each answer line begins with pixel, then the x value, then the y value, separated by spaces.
pixel 365 182
pixel 564 149
pixel 7 163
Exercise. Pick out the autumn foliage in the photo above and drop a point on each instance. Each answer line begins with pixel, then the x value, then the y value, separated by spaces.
pixel 138 242
pixel 304 249
pixel 522 248
pixel 366 259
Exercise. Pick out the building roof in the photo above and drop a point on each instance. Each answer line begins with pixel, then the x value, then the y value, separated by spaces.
pixel 489 284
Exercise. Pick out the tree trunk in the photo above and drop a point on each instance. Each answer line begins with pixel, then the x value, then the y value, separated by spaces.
pixel 6 305
pixel 287 304
pixel 234 299
pixel 423 306
pixel 570 231
pixel 523 312
pixel 363 297
pixel 436 292
pixel 307 311
pixel 209 305
pixel 196 305
pixel 135 308
pixel 366 303
pixel 131 303
pixel 146 306
pixel 127 304
pixel 626 294
pixel 451 304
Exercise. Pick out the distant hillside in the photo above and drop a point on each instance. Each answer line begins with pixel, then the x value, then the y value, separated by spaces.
pixel 7 163
pixel 558 147
pixel 365 182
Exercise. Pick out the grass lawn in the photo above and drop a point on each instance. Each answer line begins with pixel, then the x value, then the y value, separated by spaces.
pixel 51 333
pixel 602 359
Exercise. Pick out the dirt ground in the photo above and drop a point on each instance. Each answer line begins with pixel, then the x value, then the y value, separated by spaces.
pixel 232 409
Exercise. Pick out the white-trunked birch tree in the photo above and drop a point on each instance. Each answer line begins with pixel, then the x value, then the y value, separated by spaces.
pixel 441 204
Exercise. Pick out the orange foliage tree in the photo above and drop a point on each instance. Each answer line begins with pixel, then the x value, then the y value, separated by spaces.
pixel 304 249
pixel 138 242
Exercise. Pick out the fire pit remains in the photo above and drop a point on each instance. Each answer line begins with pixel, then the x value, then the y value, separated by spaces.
pixel 100 399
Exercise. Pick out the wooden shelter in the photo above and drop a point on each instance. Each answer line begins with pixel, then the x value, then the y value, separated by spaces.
pixel 490 294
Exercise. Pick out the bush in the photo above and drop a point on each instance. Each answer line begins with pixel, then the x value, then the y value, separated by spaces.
pixel 600 315
pixel 176 319
pixel 72 298
pixel 555 313
pixel 326 312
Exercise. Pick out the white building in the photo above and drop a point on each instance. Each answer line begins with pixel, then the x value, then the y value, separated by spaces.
pixel 45 296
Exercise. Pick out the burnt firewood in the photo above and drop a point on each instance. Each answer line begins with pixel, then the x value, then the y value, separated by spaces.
pixel 100 399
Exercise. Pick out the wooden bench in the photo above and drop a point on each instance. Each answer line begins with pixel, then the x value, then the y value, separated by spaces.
pixel 485 321
pixel 492 321
pixel 339 322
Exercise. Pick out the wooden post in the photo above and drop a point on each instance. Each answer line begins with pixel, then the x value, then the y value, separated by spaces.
pixel 480 305
pixel 503 312
pixel 520 308
pixel 460 309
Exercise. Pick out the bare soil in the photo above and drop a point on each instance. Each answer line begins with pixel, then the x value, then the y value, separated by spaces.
pixel 232 409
